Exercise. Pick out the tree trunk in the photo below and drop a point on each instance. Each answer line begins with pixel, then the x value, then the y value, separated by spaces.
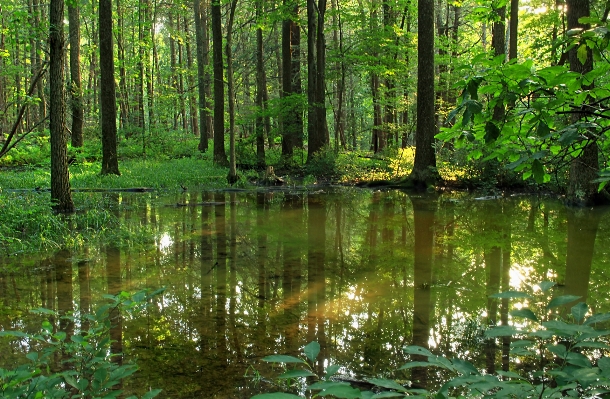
pixel 220 156
pixel 201 64
pixel 513 26
pixel 76 103
pixel 110 162
pixel 261 82
pixel 584 168
pixel 191 82
pixel 61 195
pixel 232 177
pixel 424 171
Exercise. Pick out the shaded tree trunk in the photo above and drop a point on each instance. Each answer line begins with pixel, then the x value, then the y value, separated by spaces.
pixel 261 82
pixel 76 103
pixel 61 195
pixel 513 26
pixel 110 162
pixel 220 156
pixel 232 177
pixel 201 73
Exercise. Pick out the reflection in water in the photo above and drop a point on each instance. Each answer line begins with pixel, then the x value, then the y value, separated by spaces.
pixel 363 273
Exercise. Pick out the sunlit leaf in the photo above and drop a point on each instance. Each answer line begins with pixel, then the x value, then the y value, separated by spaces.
pixel 578 359
pixel 500 331
pixel 597 318
pixel 582 53
pixel 312 350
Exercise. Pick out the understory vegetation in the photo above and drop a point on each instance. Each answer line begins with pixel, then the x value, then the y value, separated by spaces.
pixel 555 350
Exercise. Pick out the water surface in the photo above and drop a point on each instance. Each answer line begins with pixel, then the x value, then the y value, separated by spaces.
pixel 362 272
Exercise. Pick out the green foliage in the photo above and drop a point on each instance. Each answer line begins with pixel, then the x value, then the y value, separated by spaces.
pixel 567 348
pixel 87 368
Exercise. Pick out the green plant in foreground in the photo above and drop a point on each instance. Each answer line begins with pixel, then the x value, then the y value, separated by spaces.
pixel 87 368
pixel 567 347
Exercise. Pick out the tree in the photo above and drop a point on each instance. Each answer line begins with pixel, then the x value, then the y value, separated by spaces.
pixel 201 36
pixel 232 177
pixel 220 156
pixel 61 195
pixel 76 102
pixel 317 130
pixel 110 162
pixel 424 168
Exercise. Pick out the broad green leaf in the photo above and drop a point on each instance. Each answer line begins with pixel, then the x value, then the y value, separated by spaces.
pixel 312 350
pixel 296 374
pixel 342 392
pixel 597 318
pixel 492 132
pixel 70 380
pixel 388 394
pixel 562 300
pixel 559 350
pixel 509 374
pixel 543 129
pixel 525 312
pixel 538 171
pixel 464 367
pixel 43 311
pixel 410 365
pixel 591 345
pixel 16 334
pixel 325 384
pixel 510 295
pixel 33 356
pixel 578 359
pixel 546 285
pixel 276 395
pixel 579 311
pixel 582 53
pixel 604 363
pixel 331 370
pixel 416 350
pixel 390 384
pixel 282 359
pixel 500 331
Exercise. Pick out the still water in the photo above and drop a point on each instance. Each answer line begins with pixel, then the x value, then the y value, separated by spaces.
pixel 364 273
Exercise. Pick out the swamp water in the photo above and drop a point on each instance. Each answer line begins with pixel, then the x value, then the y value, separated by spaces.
pixel 364 273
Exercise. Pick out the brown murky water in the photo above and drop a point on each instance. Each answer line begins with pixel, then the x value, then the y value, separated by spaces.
pixel 363 273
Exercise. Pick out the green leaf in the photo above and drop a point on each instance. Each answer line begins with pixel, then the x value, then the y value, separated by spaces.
pixel 33 356
pixel 388 394
pixel 390 384
pixel 283 359
pixel 546 285
pixel 579 311
pixel 312 350
pixel 500 331
pixel 151 394
pixel 276 395
pixel 562 300
pixel 510 374
pixel 582 53
pixel 510 295
pixel 591 345
pixel 559 350
pixel 578 359
pixel 525 312
pixel 342 392
pixel 604 363
pixel 543 129
pixel 464 367
pixel 296 374
pixel 416 350
pixel 325 385
pixel 597 318
pixel 538 171
pixel 70 380
pixel 410 365
pixel 15 334
pixel 332 370
pixel 492 132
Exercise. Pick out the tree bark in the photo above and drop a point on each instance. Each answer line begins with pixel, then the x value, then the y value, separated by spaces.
pixel 232 177
pixel 110 162
pixel 76 103
pixel 513 26
pixel 220 156
pixel 201 83
pixel 61 195
pixel 261 82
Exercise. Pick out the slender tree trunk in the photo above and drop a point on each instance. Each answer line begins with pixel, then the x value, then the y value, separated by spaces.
pixel 514 25
pixel 110 162
pixel 76 103
pixel 232 177
pixel 191 82
pixel 201 90
pixel 220 156
pixel 123 95
pixel 261 82
pixel 61 195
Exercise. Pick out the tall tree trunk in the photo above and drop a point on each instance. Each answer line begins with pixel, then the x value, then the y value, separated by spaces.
pixel 191 82
pixel 201 72
pixel 110 161
pixel 317 129
pixel 424 169
pixel 220 156
pixel 61 195
pixel 232 177
pixel 584 168
pixel 261 82
pixel 76 103
pixel 513 26
pixel 123 95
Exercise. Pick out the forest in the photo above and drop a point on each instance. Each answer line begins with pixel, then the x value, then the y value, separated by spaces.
pixel 493 86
